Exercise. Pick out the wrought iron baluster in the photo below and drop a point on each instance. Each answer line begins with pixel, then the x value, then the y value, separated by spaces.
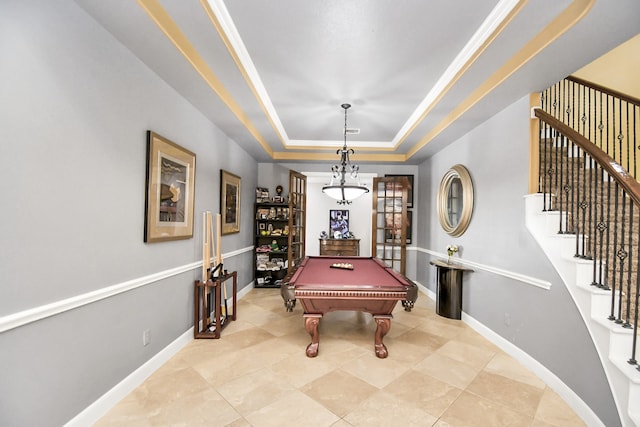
pixel 633 360
pixel 622 255
pixel 607 266
pixel 573 215
pixel 636 111
pixel 543 163
pixel 562 186
pixel 583 205
pixel 601 227
pixel 614 283
pixel 628 167
pixel 590 233
pixel 627 316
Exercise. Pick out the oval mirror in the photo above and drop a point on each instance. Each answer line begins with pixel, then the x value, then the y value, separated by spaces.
pixel 455 200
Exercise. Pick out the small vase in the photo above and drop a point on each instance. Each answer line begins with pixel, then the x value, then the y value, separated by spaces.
pixel 449 260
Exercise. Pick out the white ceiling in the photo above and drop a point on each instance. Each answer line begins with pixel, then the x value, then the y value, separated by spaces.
pixel 419 74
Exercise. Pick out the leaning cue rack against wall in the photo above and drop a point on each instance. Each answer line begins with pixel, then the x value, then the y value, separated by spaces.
pixel 207 302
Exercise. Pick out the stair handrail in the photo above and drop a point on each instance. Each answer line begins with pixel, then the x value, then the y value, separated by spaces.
pixel 613 168
pixel 625 97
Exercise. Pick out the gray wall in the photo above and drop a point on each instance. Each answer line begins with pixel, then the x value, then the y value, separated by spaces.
pixel 545 324
pixel 75 109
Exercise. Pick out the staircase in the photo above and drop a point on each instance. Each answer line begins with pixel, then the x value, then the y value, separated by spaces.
pixel 611 341
pixel 586 216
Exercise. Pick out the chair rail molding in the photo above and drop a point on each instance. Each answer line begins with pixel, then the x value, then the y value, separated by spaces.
pixel 529 280
pixel 24 317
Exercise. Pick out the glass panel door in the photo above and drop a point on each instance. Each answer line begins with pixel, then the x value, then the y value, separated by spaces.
pixel 297 217
pixel 389 222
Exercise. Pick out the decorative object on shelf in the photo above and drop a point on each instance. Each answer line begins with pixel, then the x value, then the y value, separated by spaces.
pixel 170 187
pixel 278 198
pixel 230 202
pixel 324 235
pixel 344 193
pixel 455 200
pixel 262 195
pixel 451 249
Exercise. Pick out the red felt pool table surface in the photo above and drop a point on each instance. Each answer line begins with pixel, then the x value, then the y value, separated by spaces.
pixel 317 272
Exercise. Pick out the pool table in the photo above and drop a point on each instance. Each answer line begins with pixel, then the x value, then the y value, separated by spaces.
pixel 330 283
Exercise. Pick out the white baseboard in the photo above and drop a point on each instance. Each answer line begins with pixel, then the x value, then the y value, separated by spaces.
pixel 100 407
pixel 106 402
pixel 564 391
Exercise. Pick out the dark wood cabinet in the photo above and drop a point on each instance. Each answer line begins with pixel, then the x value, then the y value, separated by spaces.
pixel 340 247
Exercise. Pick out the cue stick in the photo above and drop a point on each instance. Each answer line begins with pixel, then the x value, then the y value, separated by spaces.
pixel 219 262
pixel 206 264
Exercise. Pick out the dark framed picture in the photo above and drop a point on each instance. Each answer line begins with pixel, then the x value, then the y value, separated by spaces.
pixel 409 190
pixel 229 202
pixel 170 190
pixel 338 223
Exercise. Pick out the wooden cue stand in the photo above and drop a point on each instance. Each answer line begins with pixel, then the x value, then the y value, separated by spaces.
pixel 201 309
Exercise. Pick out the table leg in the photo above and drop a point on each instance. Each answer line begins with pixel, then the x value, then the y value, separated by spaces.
pixel 384 324
pixel 311 322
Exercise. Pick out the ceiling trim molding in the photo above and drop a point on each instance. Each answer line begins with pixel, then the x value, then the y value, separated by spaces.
pixel 168 26
pixel 222 22
pixel 570 16
pixel 331 157
pixel 335 144
pixel 482 38
pixel 492 26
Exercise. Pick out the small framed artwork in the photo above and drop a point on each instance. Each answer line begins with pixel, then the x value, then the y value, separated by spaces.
pixel 409 190
pixel 229 202
pixel 170 190
pixel 338 223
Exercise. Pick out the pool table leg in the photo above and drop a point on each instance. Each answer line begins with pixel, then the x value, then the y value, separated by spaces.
pixel 384 324
pixel 311 322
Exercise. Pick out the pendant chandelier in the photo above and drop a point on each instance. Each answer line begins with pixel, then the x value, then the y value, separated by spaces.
pixel 344 193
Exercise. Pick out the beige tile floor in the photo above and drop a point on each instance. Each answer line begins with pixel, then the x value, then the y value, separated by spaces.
pixel 439 373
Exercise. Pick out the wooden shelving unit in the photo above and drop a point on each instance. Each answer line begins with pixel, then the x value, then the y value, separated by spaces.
pixel 271 225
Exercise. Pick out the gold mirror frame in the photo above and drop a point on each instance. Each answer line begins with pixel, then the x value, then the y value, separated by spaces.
pixel 461 173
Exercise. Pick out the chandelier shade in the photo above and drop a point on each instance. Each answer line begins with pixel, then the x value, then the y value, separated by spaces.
pixel 342 192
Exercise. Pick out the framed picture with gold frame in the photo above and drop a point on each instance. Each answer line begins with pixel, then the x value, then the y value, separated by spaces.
pixel 170 190
pixel 230 202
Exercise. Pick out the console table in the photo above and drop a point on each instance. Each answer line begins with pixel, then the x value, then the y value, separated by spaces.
pixel 449 288
pixel 202 308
